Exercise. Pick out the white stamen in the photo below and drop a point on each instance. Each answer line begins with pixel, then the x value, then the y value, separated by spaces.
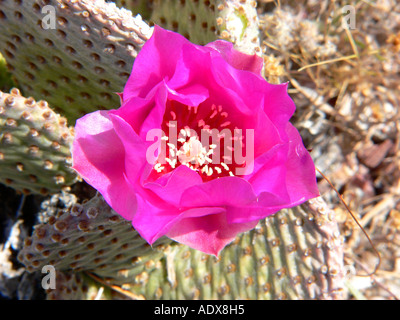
pixel 192 151
pixel 214 114
pixel 225 166
pixel 225 124
pixel 158 167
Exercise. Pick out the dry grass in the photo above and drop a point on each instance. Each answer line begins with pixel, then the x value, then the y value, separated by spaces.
pixel 346 84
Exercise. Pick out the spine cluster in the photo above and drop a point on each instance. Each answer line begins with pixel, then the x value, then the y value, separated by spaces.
pixel 34 146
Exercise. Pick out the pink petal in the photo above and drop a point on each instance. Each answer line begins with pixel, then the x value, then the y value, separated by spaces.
pixel 255 212
pixel 300 175
pixel 269 170
pixel 190 95
pixel 238 92
pixel 154 219
pixel 135 111
pixel 209 234
pixel 242 95
pixel 297 178
pixel 134 160
pixel 170 187
pixel 155 63
pixel 98 156
pixel 145 114
pixel 225 191
pixel 255 92
pixel 191 67
pixel 278 105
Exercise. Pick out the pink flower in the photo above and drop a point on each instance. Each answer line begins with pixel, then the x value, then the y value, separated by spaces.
pixel 185 190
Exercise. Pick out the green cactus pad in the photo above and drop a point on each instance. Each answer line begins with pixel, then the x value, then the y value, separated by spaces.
pixel 142 7
pixel 77 66
pixel 193 19
pixel 89 237
pixel 294 254
pixel 6 82
pixel 34 145
pixel 205 21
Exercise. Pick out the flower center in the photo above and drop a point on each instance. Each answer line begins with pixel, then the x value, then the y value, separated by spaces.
pixel 188 131
pixel 192 153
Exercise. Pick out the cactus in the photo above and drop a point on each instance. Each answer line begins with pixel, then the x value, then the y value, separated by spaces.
pixel 90 237
pixel 205 21
pixel 76 286
pixel 34 145
pixel 6 82
pixel 76 67
pixel 295 254
pixel 142 7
